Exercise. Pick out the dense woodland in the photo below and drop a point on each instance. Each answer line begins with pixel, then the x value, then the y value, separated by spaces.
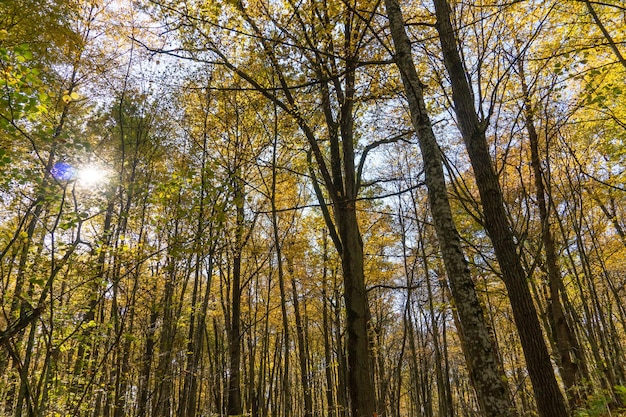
pixel 342 208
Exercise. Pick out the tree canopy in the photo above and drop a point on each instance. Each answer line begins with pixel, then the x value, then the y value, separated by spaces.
pixel 324 207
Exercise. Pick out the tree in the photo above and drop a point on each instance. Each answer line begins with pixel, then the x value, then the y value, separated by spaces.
pixel 332 150
pixel 262 160
pixel 550 401
pixel 493 394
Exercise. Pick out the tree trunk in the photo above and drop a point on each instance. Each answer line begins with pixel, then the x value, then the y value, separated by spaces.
pixel 481 358
pixel 146 364
pixel 565 341
pixel 342 367
pixel 326 329
pixel 360 384
pixel 344 191
pixel 281 275
pixel 445 408
pixel 302 352
pixel 234 332
pixel 162 404
pixel 550 401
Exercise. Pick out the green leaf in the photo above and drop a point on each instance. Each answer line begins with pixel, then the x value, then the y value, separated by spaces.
pixel 37 281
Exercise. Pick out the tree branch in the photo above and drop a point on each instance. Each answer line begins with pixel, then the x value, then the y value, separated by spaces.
pixel 373 146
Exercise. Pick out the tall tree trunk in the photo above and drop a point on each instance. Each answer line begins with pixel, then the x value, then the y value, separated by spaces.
pixel 567 347
pixel 360 384
pixel 550 401
pixel 123 375
pixel 445 408
pixel 326 329
pixel 481 357
pixel 342 366
pixel 234 331
pixel 162 404
pixel 146 363
pixel 281 274
pixel 302 351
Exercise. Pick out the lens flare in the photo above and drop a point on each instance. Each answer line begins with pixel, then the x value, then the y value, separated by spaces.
pixel 63 171
pixel 91 175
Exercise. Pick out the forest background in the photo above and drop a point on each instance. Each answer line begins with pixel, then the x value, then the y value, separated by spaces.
pixel 315 207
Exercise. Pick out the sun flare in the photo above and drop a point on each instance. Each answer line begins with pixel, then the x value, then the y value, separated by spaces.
pixel 91 175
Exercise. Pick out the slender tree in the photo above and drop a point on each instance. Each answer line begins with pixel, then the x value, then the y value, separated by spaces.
pixel 550 401
pixel 482 362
